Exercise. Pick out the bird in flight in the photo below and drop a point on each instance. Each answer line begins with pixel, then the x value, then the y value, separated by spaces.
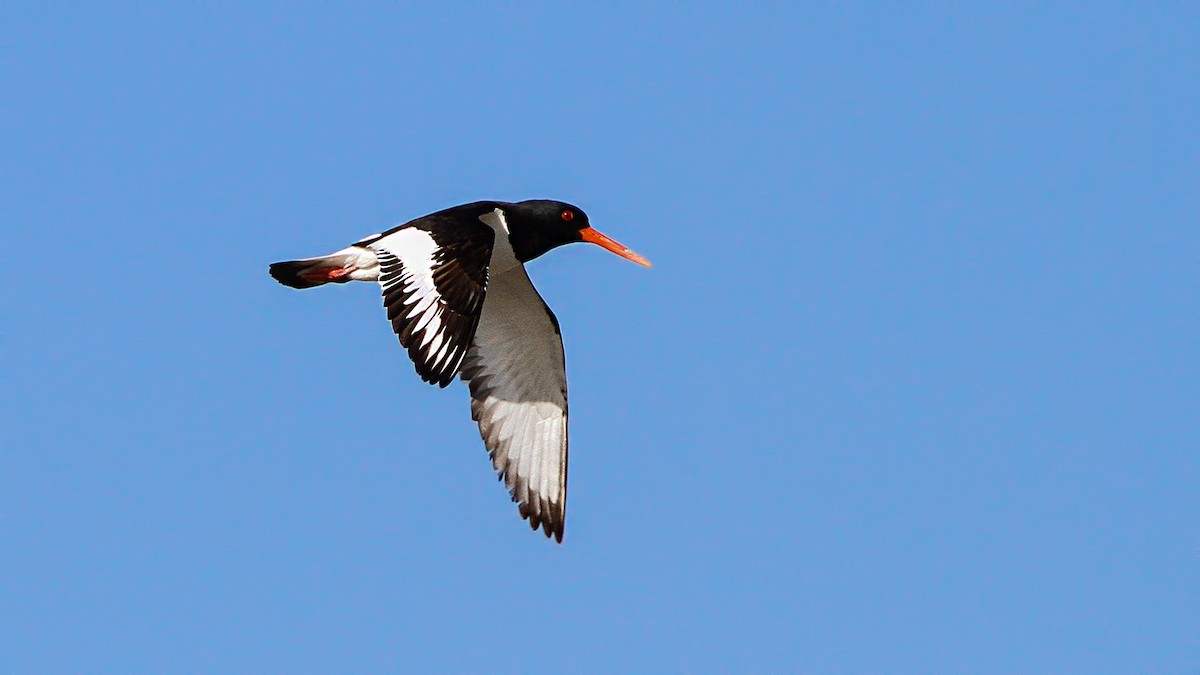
pixel 457 295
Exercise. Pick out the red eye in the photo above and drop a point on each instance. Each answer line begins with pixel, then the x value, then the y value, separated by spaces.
pixel 568 214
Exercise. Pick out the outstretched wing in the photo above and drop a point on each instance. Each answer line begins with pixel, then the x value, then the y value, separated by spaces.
pixel 518 385
pixel 434 280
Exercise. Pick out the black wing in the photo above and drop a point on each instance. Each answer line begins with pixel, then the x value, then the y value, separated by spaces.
pixel 434 275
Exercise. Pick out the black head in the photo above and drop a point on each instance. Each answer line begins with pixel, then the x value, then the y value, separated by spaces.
pixel 538 225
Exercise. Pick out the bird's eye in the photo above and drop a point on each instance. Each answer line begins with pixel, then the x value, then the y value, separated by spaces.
pixel 568 214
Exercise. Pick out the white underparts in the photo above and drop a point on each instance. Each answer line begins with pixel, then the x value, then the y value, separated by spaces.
pixel 363 264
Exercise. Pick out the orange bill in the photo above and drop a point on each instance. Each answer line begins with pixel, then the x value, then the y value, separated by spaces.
pixel 590 235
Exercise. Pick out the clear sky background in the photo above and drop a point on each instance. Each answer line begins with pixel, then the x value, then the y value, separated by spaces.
pixel 912 385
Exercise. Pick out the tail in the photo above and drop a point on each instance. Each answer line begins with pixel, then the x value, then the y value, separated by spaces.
pixel 349 264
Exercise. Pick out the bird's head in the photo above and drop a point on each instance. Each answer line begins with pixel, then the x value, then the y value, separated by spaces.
pixel 538 225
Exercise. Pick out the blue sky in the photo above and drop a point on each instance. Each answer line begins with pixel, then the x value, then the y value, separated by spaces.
pixel 911 387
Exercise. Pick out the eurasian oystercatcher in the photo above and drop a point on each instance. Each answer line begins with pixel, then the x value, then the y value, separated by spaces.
pixel 457 294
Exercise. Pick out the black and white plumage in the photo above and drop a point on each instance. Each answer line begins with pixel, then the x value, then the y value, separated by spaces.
pixel 459 299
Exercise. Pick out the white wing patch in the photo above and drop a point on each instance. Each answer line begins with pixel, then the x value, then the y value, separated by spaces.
pixel 518 384
pixel 434 305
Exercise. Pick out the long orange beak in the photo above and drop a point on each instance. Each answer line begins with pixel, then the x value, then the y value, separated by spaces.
pixel 591 236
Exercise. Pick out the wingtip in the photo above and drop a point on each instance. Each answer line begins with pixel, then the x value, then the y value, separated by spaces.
pixel 553 526
pixel 553 529
pixel 551 523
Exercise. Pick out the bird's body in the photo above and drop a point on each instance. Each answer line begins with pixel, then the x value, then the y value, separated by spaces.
pixel 457 295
